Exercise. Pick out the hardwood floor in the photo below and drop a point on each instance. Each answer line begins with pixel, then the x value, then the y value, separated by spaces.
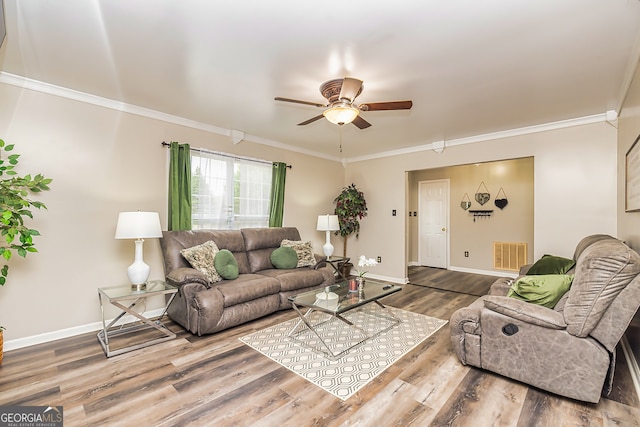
pixel 217 380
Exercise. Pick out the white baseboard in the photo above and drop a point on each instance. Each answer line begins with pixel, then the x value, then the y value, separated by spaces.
pixel 388 278
pixel 485 272
pixel 475 271
pixel 70 332
pixel 632 363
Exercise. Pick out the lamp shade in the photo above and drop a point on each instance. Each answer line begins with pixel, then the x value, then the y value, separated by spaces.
pixel 138 225
pixel 327 223
pixel 341 114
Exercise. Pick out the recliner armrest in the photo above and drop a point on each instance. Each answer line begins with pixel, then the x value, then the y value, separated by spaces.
pixel 524 269
pixel 525 311
pixel 183 275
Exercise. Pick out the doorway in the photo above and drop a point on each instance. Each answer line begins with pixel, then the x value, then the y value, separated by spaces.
pixel 433 223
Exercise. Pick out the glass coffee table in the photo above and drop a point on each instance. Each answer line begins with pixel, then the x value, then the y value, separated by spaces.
pixel 337 320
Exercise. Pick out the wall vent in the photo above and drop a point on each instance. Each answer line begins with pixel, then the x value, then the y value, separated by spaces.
pixel 509 256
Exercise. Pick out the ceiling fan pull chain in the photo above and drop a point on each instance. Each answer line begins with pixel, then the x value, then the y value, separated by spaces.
pixel 341 138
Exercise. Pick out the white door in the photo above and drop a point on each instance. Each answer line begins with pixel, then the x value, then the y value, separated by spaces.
pixel 433 223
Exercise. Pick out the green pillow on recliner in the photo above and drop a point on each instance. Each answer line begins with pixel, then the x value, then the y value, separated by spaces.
pixel 284 257
pixel 550 264
pixel 226 264
pixel 544 289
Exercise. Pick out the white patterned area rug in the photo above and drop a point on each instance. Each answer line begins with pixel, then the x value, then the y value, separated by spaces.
pixel 349 373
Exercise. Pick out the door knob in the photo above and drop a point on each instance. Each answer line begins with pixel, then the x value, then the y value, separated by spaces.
pixel 444 229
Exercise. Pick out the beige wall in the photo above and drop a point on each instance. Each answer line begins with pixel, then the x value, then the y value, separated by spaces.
pixel 628 131
pixel 574 190
pixel 514 223
pixel 102 162
pixel 629 222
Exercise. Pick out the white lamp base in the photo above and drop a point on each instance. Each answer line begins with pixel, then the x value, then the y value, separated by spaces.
pixel 327 248
pixel 138 272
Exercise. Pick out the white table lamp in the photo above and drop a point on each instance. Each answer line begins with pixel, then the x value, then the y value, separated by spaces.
pixel 138 225
pixel 328 223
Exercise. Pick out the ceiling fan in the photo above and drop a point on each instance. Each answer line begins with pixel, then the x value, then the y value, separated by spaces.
pixel 341 107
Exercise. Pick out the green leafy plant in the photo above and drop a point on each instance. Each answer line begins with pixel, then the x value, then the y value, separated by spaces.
pixel 15 206
pixel 351 207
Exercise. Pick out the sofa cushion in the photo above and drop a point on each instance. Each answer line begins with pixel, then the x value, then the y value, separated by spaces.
pixel 297 278
pixel 260 242
pixel 545 290
pixel 201 258
pixel 588 241
pixel 603 270
pixel 284 257
pixel 551 264
pixel 304 250
pixel 247 287
pixel 226 264
pixel 174 241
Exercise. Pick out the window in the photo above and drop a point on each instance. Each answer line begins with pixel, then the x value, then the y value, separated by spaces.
pixel 229 193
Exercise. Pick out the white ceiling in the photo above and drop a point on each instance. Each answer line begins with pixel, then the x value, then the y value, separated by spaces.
pixel 471 67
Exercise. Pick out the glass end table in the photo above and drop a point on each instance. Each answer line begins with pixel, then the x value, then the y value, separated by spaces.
pixel 126 299
pixel 336 261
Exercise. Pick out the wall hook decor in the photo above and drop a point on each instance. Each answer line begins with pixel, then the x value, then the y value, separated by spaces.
pixel 466 202
pixel 501 202
pixel 482 197
pixel 480 214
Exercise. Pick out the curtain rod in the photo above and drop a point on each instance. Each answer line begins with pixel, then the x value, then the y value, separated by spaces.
pixel 201 150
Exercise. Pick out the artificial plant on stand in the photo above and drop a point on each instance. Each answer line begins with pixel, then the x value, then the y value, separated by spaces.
pixel 351 207
pixel 14 207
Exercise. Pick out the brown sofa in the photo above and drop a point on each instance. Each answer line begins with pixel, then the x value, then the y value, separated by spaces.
pixel 260 289
pixel 570 349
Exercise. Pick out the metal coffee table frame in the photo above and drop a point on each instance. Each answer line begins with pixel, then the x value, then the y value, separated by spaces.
pixel 336 309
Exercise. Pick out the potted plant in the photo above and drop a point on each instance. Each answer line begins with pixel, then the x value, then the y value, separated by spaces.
pixel 14 207
pixel 351 207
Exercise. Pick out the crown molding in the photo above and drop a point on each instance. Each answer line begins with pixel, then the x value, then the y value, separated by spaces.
pixel 63 92
pixel 26 83
pixel 579 121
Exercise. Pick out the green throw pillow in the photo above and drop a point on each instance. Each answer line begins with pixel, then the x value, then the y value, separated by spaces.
pixel 550 264
pixel 284 257
pixel 226 264
pixel 544 289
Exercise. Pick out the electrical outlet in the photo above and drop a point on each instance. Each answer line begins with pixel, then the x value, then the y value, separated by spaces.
pixel 466 254
pixel 379 259
pixel 393 212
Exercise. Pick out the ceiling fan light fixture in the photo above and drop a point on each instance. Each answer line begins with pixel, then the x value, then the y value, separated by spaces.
pixel 341 114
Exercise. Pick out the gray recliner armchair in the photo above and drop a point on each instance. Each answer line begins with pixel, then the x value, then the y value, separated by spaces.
pixel 568 350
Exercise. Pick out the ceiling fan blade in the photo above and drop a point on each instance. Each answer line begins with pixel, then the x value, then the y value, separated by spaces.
pixel 297 101
pixel 311 120
pixel 393 105
pixel 361 123
pixel 350 89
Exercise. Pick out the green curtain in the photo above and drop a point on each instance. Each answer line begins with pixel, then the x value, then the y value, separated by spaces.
pixel 179 187
pixel 276 206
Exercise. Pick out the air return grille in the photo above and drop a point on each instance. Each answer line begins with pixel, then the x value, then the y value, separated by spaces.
pixel 509 255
